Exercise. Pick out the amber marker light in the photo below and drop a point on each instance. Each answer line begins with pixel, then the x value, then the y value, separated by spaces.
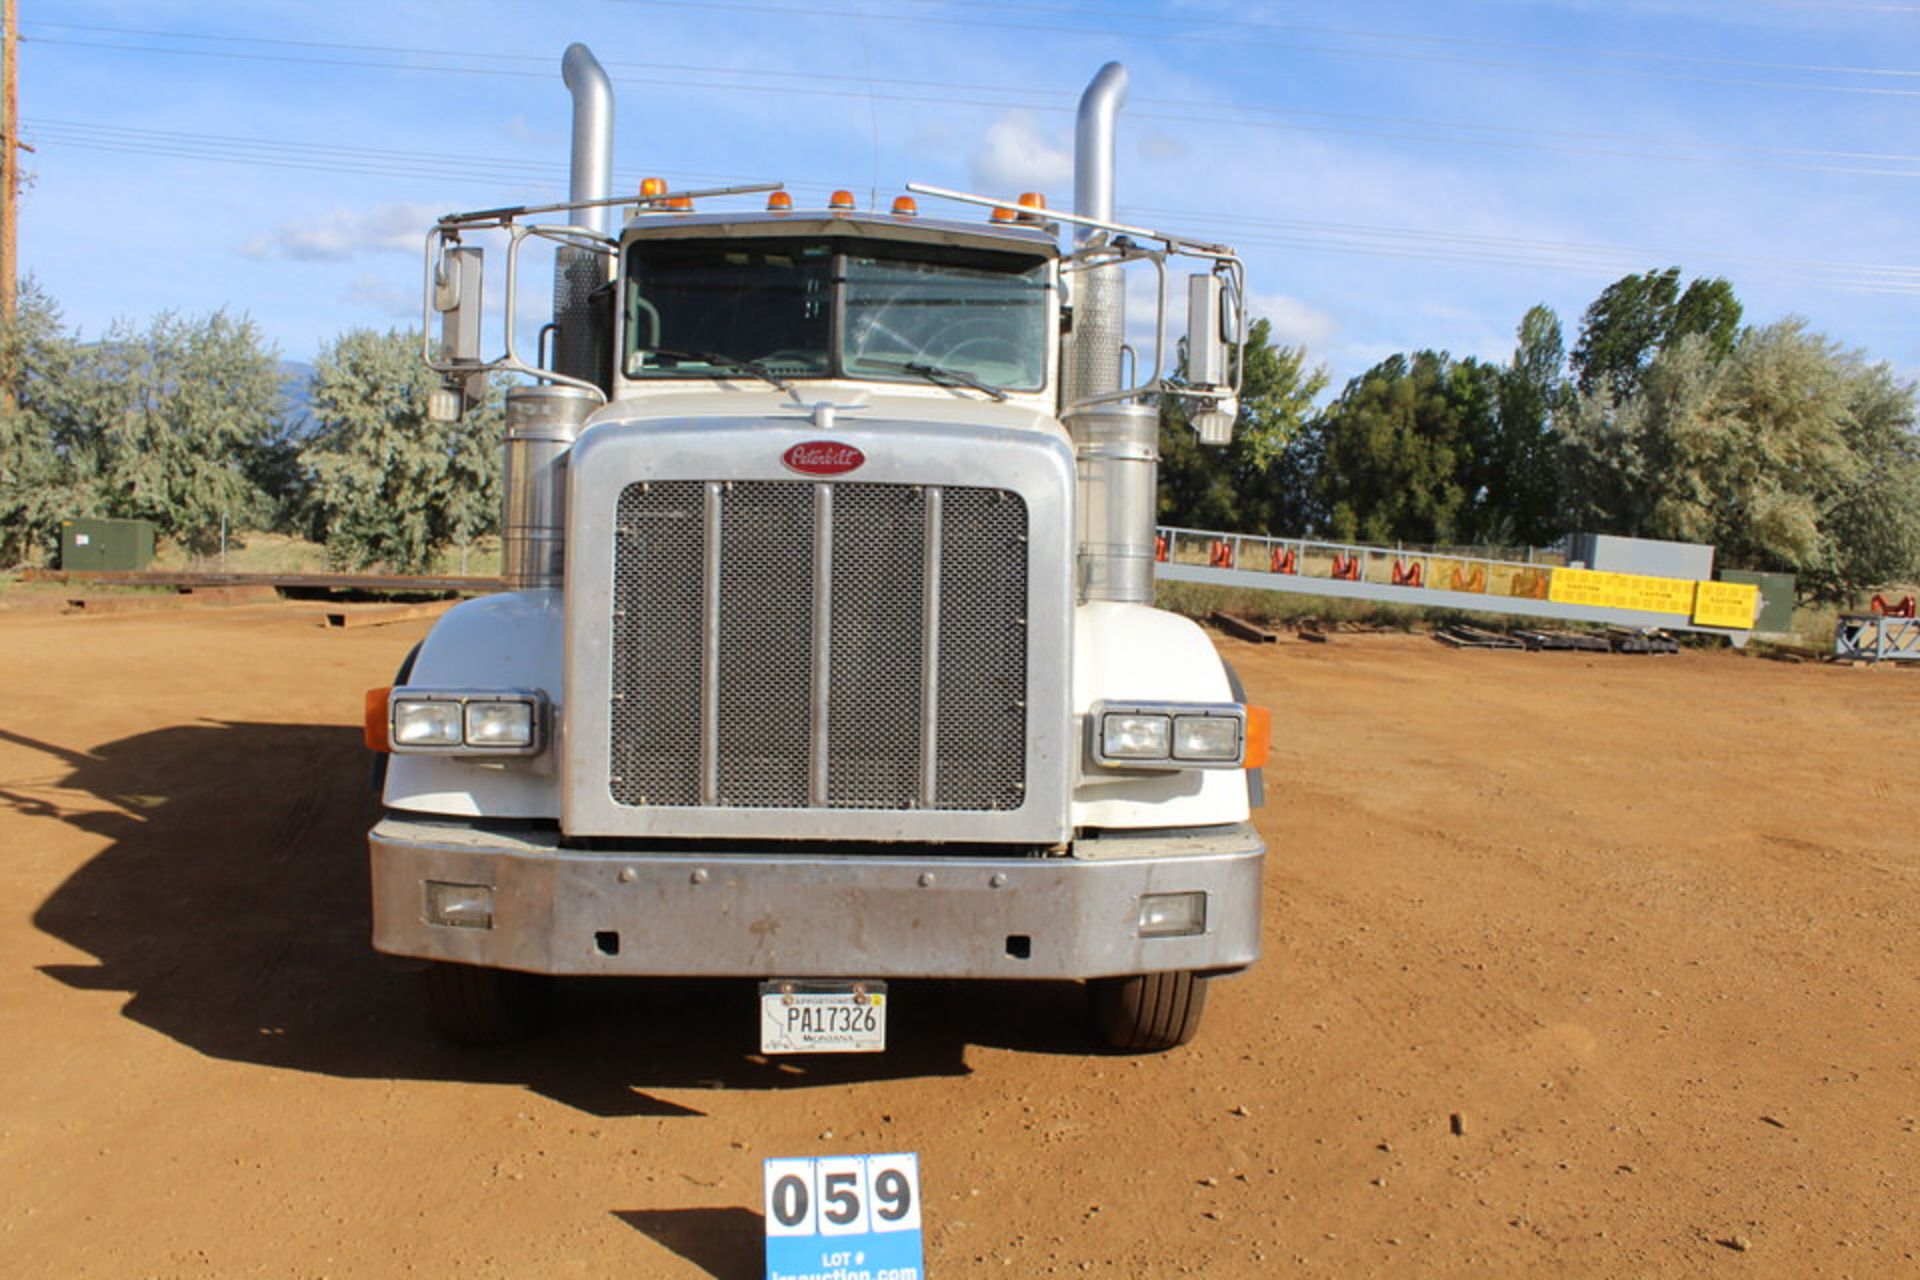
pixel 1032 205
pixel 374 728
pixel 840 200
pixel 780 202
pixel 651 187
pixel 681 204
pixel 905 207
pixel 1002 215
pixel 1259 734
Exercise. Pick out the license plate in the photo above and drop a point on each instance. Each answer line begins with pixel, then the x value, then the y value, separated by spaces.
pixel 823 1017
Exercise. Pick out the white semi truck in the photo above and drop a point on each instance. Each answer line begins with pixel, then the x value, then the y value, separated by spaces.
pixel 827 654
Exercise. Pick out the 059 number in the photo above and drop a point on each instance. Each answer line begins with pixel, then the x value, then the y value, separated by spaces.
pixel 841 1195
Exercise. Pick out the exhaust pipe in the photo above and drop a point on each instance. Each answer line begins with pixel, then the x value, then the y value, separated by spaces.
pixel 578 272
pixel 1099 305
pixel 1116 444
pixel 591 177
pixel 543 420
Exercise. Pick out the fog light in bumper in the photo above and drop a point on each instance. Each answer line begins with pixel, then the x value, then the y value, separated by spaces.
pixel 1173 915
pixel 459 906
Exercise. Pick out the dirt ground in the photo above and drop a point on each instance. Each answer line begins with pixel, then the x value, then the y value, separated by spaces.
pixel 1647 926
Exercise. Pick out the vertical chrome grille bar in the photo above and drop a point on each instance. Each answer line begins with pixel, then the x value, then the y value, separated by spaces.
pixel 817 795
pixel 930 654
pixel 710 652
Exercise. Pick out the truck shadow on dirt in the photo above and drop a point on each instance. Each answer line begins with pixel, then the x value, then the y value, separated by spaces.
pixel 231 905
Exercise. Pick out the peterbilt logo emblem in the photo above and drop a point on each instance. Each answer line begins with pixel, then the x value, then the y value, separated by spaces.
pixel 822 458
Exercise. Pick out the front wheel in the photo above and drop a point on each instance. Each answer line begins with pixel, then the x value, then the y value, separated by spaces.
pixel 474 1006
pixel 1147 1012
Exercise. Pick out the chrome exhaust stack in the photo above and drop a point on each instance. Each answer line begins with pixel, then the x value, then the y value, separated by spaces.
pixel 577 272
pixel 543 419
pixel 1116 441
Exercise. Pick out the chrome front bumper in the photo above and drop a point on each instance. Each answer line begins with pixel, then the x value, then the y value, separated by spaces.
pixel 720 914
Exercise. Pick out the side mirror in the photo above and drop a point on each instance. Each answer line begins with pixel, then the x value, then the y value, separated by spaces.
pixel 1213 330
pixel 456 296
pixel 457 281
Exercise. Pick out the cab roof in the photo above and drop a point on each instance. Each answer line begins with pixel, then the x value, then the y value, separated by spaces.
pixel 1037 240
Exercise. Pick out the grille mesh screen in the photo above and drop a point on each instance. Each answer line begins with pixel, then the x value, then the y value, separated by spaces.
pixel 776 636
pixel 657 625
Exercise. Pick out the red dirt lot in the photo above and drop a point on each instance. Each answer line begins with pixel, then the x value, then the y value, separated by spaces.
pixel 1647 926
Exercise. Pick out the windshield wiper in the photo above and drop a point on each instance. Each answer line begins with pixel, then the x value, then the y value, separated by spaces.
pixel 753 367
pixel 943 376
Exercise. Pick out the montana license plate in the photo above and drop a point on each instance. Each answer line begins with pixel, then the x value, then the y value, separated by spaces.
pixel 823 1017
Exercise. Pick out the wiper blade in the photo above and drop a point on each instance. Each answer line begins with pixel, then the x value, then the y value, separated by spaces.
pixel 948 377
pixel 753 367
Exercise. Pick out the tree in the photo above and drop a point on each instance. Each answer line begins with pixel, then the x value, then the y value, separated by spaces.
pixel 1636 317
pixel 1397 450
pixel 1524 506
pixel 39 481
pixel 175 417
pixel 1255 484
pixel 388 485
pixel 1875 517
pixel 1788 453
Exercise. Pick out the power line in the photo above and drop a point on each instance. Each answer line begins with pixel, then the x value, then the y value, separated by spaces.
pixel 1179 37
pixel 1162 36
pixel 1182 111
pixel 1365 240
pixel 1474 42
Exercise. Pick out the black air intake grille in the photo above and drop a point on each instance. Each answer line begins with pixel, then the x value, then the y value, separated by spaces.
pixel 786 644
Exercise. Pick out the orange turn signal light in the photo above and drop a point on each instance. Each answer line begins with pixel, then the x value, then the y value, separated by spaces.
pixel 779 202
pixel 1259 735
pixel 374 728
pixel 905 207
pixel 840 200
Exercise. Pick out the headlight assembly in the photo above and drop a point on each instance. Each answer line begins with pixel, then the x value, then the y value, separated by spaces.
pixel 467 722
pixel 1168 735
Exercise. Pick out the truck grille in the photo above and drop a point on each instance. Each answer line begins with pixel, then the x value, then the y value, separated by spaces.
pixel 788 644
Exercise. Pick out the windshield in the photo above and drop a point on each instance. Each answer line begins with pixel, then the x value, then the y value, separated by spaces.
pixel 828 308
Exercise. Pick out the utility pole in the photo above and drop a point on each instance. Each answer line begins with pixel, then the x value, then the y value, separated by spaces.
pixel 9 185
pixel 9 159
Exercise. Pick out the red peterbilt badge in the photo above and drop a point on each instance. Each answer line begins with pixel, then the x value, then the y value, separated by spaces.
pixel 822 458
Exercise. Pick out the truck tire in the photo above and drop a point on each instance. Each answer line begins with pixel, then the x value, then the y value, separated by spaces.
pixel 474 1006
pixel 1147 1012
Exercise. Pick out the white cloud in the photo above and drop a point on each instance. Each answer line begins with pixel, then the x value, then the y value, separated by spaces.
pixel 1016 156
pixel 1294 323
pixel 383 293
pixel 393 227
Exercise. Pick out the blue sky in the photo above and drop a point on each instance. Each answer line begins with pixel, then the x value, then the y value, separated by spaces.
pixel 1397 175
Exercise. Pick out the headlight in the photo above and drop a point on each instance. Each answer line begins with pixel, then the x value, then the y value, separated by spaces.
pixel 500 724
pixel 1214 738
pixel 467 722
pixel 1126 736
pixel 425 723
pixel 1169 735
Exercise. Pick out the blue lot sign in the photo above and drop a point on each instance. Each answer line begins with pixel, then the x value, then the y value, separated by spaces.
pixel 844 1218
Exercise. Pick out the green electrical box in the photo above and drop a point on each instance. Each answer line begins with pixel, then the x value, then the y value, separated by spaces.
pixel 112 545
pixel 1776 598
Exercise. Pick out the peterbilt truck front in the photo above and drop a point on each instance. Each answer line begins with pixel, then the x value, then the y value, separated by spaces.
pixel 827 654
